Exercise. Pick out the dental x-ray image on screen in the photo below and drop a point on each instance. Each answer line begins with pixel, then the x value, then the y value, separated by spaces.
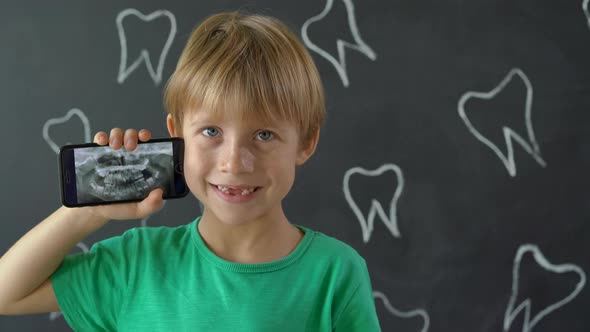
pixel 104 174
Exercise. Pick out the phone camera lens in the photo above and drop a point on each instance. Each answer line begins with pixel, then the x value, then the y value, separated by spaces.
pixel 178 168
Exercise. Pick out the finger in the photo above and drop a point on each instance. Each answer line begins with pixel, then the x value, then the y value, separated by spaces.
pixel 145 135
pixel 152 203
pixel 116 138
pixel 101 138
pixel 130 139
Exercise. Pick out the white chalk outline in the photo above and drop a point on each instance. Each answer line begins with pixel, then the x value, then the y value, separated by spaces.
pixel 509 134
pixel 66 118
pixel 586 13
pixel 360 45
pixel 512 312
pixel 404 314
pixel 376 207
pixel 144 54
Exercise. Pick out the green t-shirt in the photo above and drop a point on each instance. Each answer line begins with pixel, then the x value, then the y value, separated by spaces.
pixel 167 279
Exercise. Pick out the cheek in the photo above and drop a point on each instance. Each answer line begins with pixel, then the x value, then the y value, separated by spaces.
pixel 197 162
pixel 283 169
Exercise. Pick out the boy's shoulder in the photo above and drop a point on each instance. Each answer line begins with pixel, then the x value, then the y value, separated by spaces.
pixel 324 247
pixel 149 237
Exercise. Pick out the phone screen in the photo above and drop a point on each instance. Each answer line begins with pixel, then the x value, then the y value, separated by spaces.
pixel 93 174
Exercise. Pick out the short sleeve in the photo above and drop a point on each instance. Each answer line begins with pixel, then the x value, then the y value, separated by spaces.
pixel 90 287
pixel 359 313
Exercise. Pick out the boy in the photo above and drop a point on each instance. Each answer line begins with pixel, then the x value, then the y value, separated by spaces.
pixel 247 99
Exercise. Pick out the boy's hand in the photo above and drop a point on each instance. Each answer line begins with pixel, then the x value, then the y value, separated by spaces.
pixel 124 211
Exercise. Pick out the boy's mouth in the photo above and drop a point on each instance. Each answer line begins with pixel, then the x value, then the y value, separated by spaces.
pixel 242 190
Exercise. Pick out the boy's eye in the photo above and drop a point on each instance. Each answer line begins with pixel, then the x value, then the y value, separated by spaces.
pixel 211 132
pixel 264 135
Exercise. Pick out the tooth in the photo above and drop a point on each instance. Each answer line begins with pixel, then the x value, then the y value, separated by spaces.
pixel 58 121
pixel 125 71
pixel 403 314
pixel 529 144
pixel 342 45
pixel 388 215
pixel 518 304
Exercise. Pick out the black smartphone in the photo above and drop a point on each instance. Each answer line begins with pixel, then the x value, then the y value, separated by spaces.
pixel 92 174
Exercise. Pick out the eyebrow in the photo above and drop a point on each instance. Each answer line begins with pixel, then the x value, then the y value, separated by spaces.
pixel 207 120
pixel 261 125
pixel 196 123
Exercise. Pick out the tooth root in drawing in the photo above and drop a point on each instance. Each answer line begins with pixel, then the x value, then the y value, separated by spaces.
pixel 144 56
pixel 403 314
pixel 531 146
pixel 586 12
pixel 358 45
pixel 525 306
pixel 57 121
pixel 389 219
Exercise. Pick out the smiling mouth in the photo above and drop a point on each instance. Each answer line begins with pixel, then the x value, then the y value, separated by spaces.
pixel 236 190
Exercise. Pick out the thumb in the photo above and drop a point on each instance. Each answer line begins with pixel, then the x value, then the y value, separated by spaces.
pixel 152 203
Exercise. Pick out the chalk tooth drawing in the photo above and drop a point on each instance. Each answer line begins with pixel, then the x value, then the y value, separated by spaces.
pixel 404 314
pixel 144 56
pixel 390 218
pixel 531 147
pixel 512 312
pixel 66 118
pixel 358 45
pixel 585 9
pixel 55 315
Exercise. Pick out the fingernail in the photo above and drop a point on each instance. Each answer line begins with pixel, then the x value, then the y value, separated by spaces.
pixel 102 140
pixel 115 141
pixel 128 143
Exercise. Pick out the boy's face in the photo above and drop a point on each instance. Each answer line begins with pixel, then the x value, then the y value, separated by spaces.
pixel 240 169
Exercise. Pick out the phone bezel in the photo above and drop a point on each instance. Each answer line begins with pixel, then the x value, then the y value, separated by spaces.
pixel 67 170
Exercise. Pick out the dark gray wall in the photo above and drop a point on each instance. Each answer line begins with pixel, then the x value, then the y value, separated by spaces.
pixel 473 114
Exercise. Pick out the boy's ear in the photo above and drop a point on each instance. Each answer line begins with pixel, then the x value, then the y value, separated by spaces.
pixel 308 148
pixel 172 130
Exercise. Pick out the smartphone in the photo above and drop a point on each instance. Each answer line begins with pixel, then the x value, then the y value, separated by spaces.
pixel 92 174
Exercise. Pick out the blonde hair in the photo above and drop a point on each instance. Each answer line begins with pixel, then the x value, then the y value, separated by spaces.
pixel 250 64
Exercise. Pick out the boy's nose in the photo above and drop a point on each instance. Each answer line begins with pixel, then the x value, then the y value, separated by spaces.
pixel 237 159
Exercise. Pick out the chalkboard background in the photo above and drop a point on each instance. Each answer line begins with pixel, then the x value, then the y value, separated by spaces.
pixel 463 125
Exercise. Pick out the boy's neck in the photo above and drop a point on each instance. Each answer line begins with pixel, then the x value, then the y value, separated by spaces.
pixel 258 241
